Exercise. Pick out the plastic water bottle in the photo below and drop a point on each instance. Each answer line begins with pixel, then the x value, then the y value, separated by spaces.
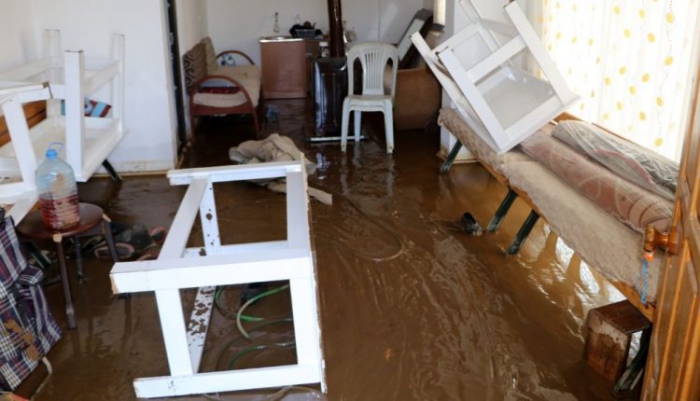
pixel 58 192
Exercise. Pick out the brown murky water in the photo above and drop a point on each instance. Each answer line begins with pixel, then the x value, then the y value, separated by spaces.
pixel 412 308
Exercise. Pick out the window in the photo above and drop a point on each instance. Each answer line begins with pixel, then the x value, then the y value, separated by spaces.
pixel 630 61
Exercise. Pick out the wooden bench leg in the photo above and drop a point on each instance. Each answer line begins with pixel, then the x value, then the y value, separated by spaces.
pixel 449 161
pixel 502 211
pixel 522 234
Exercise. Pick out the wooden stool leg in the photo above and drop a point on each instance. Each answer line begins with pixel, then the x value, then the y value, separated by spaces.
pixel 107 229
pixel 79 271
pixel 70 312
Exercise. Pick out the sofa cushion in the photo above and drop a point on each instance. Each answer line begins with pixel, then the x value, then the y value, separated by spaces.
pixel 212 65
pixel 636 164
pixel 195 64
pixel 250 81
pixel 240 72
pixel 634 206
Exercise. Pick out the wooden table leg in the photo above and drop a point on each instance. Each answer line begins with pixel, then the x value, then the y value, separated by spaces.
pixel 70 312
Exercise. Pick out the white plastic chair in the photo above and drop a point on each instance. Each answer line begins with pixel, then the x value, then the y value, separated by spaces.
pixel 374 57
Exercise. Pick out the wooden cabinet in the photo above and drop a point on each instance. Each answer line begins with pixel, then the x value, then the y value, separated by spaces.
pixel 284 69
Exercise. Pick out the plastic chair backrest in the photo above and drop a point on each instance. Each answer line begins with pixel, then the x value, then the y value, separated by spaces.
pixel 374 57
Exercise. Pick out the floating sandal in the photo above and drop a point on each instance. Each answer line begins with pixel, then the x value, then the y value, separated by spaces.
pixel 470 225
pixel 124 251
pixel 158 234
pixel 151 253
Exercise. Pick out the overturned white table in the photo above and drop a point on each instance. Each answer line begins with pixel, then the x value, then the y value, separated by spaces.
pixel 179 267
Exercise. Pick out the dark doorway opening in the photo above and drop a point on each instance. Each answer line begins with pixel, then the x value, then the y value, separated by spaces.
pixel 177 74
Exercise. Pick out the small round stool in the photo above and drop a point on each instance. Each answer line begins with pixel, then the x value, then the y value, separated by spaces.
pixel 93 221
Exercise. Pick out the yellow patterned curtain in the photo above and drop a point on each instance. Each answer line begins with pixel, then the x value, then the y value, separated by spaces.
pixel 629 60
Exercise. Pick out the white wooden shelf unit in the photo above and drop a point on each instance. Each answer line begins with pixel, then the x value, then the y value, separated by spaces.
pixel 483 70
pixel 217 264
pixel 71 78
pixel 19 194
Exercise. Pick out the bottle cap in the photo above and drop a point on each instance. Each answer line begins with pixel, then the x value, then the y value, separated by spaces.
pixel 51 152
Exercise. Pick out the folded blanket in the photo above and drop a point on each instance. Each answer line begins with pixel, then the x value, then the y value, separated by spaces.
pixel 634 206
pixel 632 162
pixel 276 148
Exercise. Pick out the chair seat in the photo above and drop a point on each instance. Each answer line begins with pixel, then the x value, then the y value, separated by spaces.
pixel 369 103
pixel 248 76
pixel 220 100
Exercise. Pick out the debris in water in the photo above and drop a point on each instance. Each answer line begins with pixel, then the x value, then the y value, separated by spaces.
pixel 470 225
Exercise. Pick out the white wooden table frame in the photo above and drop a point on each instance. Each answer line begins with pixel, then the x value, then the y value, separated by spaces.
pixel 20 194
pixel 477 71
pixel 71 76
pixel 179 267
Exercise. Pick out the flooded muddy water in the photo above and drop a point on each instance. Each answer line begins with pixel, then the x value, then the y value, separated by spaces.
pixel 411 307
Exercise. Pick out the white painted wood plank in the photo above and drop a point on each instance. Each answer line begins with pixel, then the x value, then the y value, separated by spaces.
pixel 172 323
pixel 306 321
pixel 184 219
pixel 238 248
pixel 210 222
pixel 213 270
pixel 198 327
pixel 457 39
pixel 75 108
pixel 476 100
pixel 234 173
pixel 539 52
pixel 52 50
pixel 23 206
pixel 118 49
pixel 19 133
pixel 236 380
pixel 27 70
pixel 13 191
pixel 496 59
pixel 297 211
pixel 101 78
pixel 500 27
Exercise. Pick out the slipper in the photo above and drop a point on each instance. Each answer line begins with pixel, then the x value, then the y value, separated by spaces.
pixel 92 243
pixel 137 236
pixel 124 251
pixel 151 253
pixel 470 225
pixel 158 234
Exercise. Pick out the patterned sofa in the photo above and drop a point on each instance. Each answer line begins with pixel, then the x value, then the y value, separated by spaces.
pixel 224 88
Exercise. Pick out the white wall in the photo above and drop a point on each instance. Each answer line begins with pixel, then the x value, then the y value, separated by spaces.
pixel 149 114
pixel 192 22
pixel 238 24
pixel 17 35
